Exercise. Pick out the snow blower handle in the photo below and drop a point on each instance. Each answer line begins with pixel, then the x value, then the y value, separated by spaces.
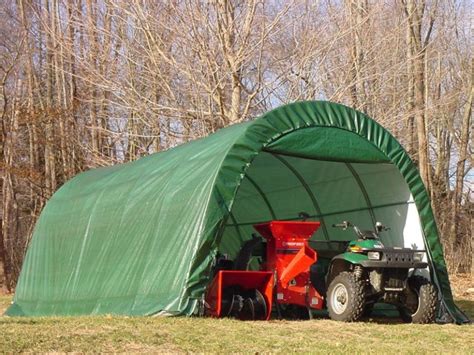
pixel 344 225
pixel 379 227
pixel 303 216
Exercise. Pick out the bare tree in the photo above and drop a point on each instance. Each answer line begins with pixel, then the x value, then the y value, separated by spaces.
pixel 90 83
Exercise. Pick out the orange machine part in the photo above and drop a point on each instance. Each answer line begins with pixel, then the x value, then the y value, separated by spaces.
pixel 286 272
pixel 290 256
pixel 260 280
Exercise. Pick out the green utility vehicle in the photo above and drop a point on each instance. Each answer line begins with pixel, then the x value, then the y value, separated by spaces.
pixel 368 272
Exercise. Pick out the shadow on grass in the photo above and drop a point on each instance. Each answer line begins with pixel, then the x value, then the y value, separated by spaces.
pixel 467 306
pixel 388 315
pixel 382 314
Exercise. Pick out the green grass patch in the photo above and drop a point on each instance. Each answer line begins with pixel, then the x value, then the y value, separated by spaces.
pixel 181 334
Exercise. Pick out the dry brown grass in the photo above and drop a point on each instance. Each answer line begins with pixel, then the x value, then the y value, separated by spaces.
pixel 182 334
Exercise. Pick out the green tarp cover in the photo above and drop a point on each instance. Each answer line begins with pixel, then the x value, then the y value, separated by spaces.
pixel 140 238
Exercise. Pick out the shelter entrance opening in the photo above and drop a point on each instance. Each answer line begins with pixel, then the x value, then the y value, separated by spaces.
pixel 339 177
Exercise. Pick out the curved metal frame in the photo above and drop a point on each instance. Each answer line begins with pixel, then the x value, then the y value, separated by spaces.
pixel 262 195
pixel 363 190
pixel 308 191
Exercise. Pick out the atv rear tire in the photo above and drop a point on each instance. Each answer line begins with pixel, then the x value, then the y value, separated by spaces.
pixel 346 298
pixel 423 309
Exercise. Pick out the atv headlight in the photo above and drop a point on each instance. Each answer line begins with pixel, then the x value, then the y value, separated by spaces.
pixel 418 256
pixel 355 249
pixel 373 255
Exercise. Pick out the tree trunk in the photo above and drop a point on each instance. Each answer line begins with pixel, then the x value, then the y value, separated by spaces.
pixel 357 12
pixel 49 157
pixel 461 165
pixel 414 12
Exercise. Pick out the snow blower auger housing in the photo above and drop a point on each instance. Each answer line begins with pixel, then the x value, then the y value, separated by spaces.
pixel 283 279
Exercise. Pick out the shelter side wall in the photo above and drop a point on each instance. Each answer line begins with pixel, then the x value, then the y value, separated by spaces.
pixel 121 240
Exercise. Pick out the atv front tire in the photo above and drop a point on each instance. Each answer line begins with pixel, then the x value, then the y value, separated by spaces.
pixel 346 298
pixel 421 302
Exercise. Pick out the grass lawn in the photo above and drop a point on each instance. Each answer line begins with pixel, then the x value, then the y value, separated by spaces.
pixel 180 334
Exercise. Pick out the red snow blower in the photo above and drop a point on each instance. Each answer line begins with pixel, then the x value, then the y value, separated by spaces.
pixel 283 279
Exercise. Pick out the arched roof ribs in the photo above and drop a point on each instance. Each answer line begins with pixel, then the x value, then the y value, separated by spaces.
pixel 308 191
pixel 363 190
pixel 320 216
pixel 262 195
pixel 236 225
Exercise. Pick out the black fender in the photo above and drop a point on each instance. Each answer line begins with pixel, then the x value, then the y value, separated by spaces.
pixel 338 264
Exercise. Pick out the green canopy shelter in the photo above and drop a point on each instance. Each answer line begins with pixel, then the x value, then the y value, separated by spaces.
pixel 141 238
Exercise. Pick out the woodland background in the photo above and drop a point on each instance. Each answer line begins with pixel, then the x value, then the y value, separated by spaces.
pixel 87 83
